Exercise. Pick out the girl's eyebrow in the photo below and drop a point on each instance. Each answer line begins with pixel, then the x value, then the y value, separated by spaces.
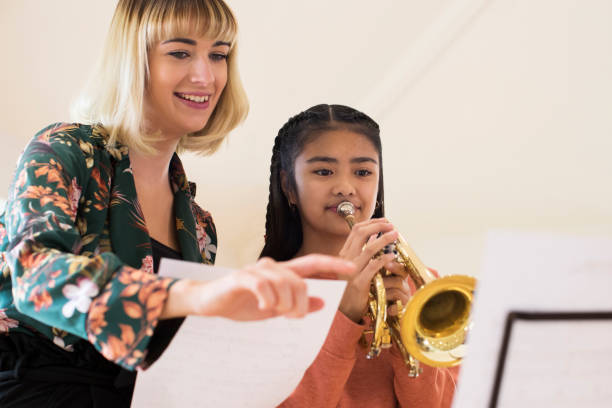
pixel 189 41
pixel 363 160
pixel 327 159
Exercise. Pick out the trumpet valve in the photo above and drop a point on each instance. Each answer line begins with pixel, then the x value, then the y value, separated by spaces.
pixel 386 339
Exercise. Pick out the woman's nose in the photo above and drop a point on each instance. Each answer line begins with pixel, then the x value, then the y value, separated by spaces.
pixel 201 72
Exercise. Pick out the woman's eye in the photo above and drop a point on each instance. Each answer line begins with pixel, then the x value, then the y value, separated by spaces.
pixel 179 54
pixel 363 172
pixel 323 172
pixel 218 56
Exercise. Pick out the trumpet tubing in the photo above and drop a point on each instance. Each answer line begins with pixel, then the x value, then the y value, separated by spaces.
pixel 433 326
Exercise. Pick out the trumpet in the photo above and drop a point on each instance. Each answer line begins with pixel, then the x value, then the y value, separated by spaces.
pixel 432 327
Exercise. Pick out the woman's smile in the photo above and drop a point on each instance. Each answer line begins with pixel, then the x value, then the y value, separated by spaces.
pixel 194 100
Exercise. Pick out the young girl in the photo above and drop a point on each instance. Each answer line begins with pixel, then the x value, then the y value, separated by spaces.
pixel 321 157
pixel 94 205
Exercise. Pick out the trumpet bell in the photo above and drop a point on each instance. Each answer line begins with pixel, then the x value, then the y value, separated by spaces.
pixel 435 323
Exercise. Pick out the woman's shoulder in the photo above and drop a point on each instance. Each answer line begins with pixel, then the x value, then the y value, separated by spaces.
pixel 76 140
pixel 69 133
pixel 74 148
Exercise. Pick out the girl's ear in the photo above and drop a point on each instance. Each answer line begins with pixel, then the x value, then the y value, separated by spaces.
pixel 286 189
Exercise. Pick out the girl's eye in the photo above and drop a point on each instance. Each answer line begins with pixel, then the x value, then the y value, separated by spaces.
pixel 179 54
pixel 218 56
pixel 363 173
pixel 323 172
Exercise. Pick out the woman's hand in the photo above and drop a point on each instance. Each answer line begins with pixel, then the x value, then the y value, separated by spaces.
pixel 354 301
pixel 260 291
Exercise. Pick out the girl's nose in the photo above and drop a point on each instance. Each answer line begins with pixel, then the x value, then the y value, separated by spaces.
pixel 343 188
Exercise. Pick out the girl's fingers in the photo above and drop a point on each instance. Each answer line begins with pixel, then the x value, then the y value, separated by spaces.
pixel 372 248
pixel 360 234
pixel 397 294
pixel 396 282
pixel 374 266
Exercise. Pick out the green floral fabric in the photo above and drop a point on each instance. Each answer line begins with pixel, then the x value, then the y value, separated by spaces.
pixel 75 254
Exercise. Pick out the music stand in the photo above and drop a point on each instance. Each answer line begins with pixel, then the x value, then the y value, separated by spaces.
pixel 542 324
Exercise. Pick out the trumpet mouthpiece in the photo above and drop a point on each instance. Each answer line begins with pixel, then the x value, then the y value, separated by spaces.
pixel 345 208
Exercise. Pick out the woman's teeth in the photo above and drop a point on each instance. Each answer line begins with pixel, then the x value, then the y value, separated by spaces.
pixel 193 98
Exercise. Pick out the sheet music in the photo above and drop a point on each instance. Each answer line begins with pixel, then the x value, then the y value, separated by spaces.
pixel 219 362
pixel 540 273
pixel 571 361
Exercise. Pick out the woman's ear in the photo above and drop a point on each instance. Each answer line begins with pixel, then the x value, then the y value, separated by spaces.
pixel 288 191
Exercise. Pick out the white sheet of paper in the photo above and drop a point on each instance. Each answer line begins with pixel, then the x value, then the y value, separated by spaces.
pixel 541 273
pixel 571 362
pixel 215 362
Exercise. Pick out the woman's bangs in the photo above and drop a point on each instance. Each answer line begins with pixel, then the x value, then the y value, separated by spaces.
pixel 184 18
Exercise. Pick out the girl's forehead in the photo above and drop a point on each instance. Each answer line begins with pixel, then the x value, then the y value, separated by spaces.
pixel 340 141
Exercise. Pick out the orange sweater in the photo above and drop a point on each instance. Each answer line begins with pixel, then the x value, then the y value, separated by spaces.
pixel 341 376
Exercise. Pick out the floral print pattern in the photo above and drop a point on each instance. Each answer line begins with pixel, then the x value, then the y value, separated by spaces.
pixel 79 296
pixel 6 323
pixel 75 254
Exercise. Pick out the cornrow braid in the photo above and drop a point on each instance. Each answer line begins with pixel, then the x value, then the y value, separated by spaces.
pixel 283 237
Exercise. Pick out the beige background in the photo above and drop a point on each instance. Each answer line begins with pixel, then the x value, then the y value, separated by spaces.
pixel 494 114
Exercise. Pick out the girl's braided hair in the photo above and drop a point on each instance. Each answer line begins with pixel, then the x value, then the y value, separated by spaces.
pixel 283 226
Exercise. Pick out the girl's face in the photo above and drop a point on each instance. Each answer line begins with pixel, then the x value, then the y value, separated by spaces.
pixel 187 76
pixel 337 165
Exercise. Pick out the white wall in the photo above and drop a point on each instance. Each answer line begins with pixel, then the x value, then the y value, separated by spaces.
pixel 494 114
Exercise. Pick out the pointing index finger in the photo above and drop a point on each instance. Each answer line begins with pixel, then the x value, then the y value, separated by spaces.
pixel 309 265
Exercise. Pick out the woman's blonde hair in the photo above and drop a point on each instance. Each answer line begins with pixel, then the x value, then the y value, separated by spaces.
pixel 115 95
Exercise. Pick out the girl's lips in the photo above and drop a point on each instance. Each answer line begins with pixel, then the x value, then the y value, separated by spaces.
pixel 334 208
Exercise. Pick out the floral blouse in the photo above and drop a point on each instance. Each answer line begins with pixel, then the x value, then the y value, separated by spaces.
pixel 75 254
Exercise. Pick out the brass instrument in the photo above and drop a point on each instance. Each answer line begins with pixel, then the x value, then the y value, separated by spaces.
pixel 433 326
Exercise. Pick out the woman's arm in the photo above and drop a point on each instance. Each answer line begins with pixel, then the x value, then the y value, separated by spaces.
pixel 95 296
pixel 260 291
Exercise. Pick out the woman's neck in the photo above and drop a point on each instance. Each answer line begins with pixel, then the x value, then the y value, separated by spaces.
pixel 152 168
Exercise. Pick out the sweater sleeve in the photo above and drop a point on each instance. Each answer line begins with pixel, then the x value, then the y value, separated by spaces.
pixel 324 381
pixel 95 297
pixel 434 387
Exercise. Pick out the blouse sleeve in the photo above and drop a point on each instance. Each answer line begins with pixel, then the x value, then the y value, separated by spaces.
pixel 324 381
pixel 97 297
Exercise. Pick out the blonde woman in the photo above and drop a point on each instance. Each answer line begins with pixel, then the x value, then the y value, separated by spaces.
pixel 95 204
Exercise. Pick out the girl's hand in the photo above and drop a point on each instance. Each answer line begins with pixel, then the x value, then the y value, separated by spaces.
pixel 354 301
pixel 260 291
pixel 397 289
